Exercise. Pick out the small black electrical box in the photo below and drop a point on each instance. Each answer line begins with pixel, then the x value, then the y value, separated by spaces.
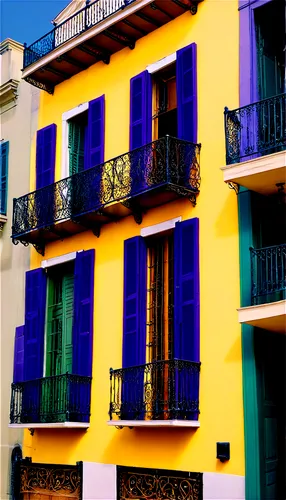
pixel 223 451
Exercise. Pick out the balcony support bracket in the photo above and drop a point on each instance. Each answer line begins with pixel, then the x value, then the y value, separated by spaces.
pixel 135 209
pixel 96 229
pixel 39 247
pixel 181 191
pixel 16 242
pixel 193 199
pixel 39 85
pixel 120 38
pixel 194 6
pixel 234 186
pixel 93 226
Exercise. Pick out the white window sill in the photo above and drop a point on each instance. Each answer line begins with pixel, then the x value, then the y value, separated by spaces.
pixel 154 423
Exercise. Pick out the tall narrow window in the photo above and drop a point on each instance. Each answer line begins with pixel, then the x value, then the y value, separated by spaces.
pixel 78 143
pixel 270 48
pixel 160 306
pixel 161 338
pixel 160 318
pixel 165 102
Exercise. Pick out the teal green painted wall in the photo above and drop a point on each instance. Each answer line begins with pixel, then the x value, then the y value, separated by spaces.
pixel 250 376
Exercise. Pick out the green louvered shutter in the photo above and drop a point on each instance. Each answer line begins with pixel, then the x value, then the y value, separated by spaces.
pixel 76 148
pixel 68 295
pixel 59 325
pixel 54 328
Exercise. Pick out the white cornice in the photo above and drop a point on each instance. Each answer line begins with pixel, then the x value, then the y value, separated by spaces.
pixel 9 44
pixel 8 91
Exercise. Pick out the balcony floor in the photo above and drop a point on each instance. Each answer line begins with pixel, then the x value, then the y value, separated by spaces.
pixel 270 316
pixel 57 425
pixel 260 174
pixel 154 423
pixel 93 220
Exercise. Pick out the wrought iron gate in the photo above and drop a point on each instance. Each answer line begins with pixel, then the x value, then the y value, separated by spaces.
pixel 153 484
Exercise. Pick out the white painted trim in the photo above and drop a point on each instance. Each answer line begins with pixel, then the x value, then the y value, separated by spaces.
pixel 61 259
pixel 154 423
pixel 99 481
pixel 162 63
pixel 86 35
pixel 81 108
pixel 159 228
pixel 75 111
pixel 58 425
pixel 218 486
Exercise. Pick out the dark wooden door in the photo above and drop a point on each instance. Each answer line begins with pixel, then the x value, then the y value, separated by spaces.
pixel 271 365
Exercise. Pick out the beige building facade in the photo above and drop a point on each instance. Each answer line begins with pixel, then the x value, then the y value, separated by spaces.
pixel 18 122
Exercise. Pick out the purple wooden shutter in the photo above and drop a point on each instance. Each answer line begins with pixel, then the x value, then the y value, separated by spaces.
pixel 18 374
pixel 134 327
pixel 83 310
pixel 140 110
pixel 187 309
pixel 187 93
pixel 96 115
pixel 135 293
pixel 45 156
pixel 35 310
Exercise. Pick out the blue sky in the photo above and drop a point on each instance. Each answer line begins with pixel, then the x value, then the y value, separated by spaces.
pixel 28 20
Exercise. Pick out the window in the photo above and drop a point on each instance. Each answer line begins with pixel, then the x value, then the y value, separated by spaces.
pixel 4 152
pixel 77 143
pixel 59 320
pixel 160 351
pixel 270 46
pixel 160 297
pixel 165 102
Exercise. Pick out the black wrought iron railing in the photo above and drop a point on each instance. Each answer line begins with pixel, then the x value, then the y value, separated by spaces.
pixel 93 13
pixel 62 398
pixel 167 162
pixel 256 129
pixel 268 274
pixel 161 390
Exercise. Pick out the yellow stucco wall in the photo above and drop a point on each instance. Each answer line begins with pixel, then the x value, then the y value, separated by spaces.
pixel 215 30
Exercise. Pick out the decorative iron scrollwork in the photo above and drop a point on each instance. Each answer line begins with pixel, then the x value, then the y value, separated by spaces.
pixel 38 478
pixel 148 484
pixel 158 390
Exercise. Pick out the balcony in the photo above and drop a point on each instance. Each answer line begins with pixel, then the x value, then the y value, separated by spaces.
pixel 268 276
pixel 95 33
pixel 255 145
pixel 131 183
pixel 59 401
pixel 157 394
